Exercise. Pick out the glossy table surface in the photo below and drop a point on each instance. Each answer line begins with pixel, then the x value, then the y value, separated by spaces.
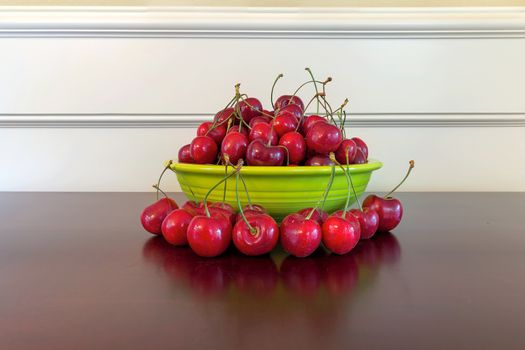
pixel 78 272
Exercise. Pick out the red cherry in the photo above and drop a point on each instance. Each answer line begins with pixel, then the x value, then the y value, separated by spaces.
pixel 216 211
pixel 223 116
pixel 255 207
pixel 286 100
pixel 324 138
pixel 184 154
pixel 346 151
pixel 368 221
pixel 389 209
pixel 309 121
pixel 359 157
pixel 262 241
pixel 250 108
pixel 235 128
pixel 194 208
pixel 247 213
pixel 258 153
pixel 300 236
pixel 260 119
pixel 318 215
pixel 222 205
pixel 361 145
pixel 153 215
pixel 319 160
pixel 292 109
pixel 284 123
pixel 209 236
pixel 234 146
pixel 296 146
pixel 264 132
pixel 203 150
pixel 340 235
pixel 175 226
pixel 217 133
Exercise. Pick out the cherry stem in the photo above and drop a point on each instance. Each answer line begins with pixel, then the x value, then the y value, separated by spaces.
pixel 328 187
pixel 253 231
pixel 225 183
pixel 216 185
pixel 161 191
pixel 162 174
pixel 246 191
pixel 287 154
pixel 227 159
pixel 311 213
pixel 349 182
pixel 315 85
pixel 410 167
pixel 273 87
pixel 216 122
pixel 249 105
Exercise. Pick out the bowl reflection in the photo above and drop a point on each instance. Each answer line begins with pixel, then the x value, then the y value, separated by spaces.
pixel 320 274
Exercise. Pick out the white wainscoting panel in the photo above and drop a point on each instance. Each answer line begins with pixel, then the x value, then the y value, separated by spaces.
pixel 95 99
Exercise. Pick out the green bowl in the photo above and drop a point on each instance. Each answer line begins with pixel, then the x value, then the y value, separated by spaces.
pixel 281 190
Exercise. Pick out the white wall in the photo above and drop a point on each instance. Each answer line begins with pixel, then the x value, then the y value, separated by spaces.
pixel 97 100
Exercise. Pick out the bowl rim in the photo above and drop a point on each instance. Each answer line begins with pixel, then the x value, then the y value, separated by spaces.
pixel 371 165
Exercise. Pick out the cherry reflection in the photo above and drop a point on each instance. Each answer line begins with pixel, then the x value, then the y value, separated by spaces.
pixel 320 273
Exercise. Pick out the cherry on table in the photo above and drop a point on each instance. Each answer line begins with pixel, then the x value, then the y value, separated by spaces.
pixel 341 234
pixel 368 221
pixel 209 236
pixel 258 236
pixel 300 236
pixel 175 226
pixel 318 214
pixel 153 215
pixel 390 210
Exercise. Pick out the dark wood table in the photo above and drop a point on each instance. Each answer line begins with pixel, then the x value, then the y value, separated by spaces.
pixel 78 272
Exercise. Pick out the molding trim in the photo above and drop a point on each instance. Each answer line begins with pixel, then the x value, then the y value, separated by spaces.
pixel 117 120
pixel 258 22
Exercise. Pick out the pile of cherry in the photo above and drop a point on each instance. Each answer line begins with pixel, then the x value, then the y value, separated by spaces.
pixel 244 132
pixel 283 136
